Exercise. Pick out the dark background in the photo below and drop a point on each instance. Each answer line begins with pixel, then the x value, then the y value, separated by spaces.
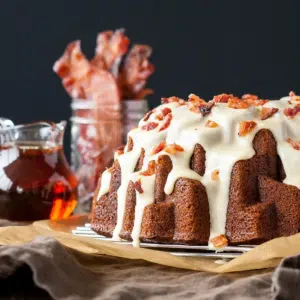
pixel 204 47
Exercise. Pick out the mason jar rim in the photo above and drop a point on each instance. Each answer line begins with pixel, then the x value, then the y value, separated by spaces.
pixel 134 104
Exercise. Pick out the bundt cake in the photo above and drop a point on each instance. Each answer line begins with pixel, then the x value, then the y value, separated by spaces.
pixel 195 172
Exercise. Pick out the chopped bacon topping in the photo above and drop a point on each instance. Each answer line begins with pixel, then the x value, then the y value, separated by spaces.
pixel 166 111
pixel 148 114
pixel 267 112
pixel 257 102
pixel 295 144
pixel 167 122
pixel 245 102
pixel 215 175
pixel 172 100
pixel 222 98
pixel 159 117
pixel 109 170
pixel 294 96
pixel 292 112
pixel 173 148
pixel 250 96
pixel 211 124
pixel 246 127
pixel 150 126
pixel 206 109
pixel 196 100
pixel 163 113
pixel 151 169
pixel 120 150
pixel 219 241
pixel 238 103
pixel 138 186
pixel 158 148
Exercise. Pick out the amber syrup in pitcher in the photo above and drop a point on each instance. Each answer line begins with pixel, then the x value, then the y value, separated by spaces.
pixel 36 182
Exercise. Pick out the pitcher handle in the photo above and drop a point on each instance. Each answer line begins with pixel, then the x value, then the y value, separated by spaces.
pixel 4 122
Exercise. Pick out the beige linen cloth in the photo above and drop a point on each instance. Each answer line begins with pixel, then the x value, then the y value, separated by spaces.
pixel 43 268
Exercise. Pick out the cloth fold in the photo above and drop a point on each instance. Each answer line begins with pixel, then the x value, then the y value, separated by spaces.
pixel 69 274
pixel 44 268
pixel 286 279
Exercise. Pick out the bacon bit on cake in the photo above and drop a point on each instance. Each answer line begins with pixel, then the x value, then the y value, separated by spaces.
pixel 206 109
pixel 219 241
pixel 246 127
pixel 222 98
pixel 159 117
pixel 211 124
pixel 256 103
pixel 267 112
pixel 166 111
pixel 250 96
pixel 172 100
pixel 196 100
pixel 138 186
pixel 193 108
pixel 292 112
pixel 295 144
pixel 148 114
pixel 163 113
pixel 120 150
pixel 151 169
pixel 238 103
pixel 158 148
pixel 173 148
pixel 215 175
pixel 294 96
pixel 150 126
pixel 109 170
pixel 167 122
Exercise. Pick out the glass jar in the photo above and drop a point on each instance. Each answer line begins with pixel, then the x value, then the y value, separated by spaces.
pixel 36 181
pixel 96 133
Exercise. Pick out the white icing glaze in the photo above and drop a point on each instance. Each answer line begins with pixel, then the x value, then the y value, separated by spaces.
pixel 127 163
pixel 105 183
pixel 142 200
pixel 223 146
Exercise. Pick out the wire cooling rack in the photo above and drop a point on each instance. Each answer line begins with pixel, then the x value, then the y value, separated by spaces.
pixel 227 253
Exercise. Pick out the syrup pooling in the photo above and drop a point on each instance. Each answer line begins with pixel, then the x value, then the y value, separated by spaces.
pixel 224 145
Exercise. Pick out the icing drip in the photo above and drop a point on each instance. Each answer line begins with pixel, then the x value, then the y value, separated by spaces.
pixel 127 163
pixel 223 146
pixel 142 200
pixel 105 183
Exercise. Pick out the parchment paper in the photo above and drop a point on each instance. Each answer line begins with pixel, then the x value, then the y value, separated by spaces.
pixel 266 255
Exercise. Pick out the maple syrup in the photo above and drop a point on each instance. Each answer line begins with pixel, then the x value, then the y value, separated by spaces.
pixel 36 182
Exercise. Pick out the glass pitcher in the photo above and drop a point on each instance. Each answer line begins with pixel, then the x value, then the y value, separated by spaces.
pixel 36 181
